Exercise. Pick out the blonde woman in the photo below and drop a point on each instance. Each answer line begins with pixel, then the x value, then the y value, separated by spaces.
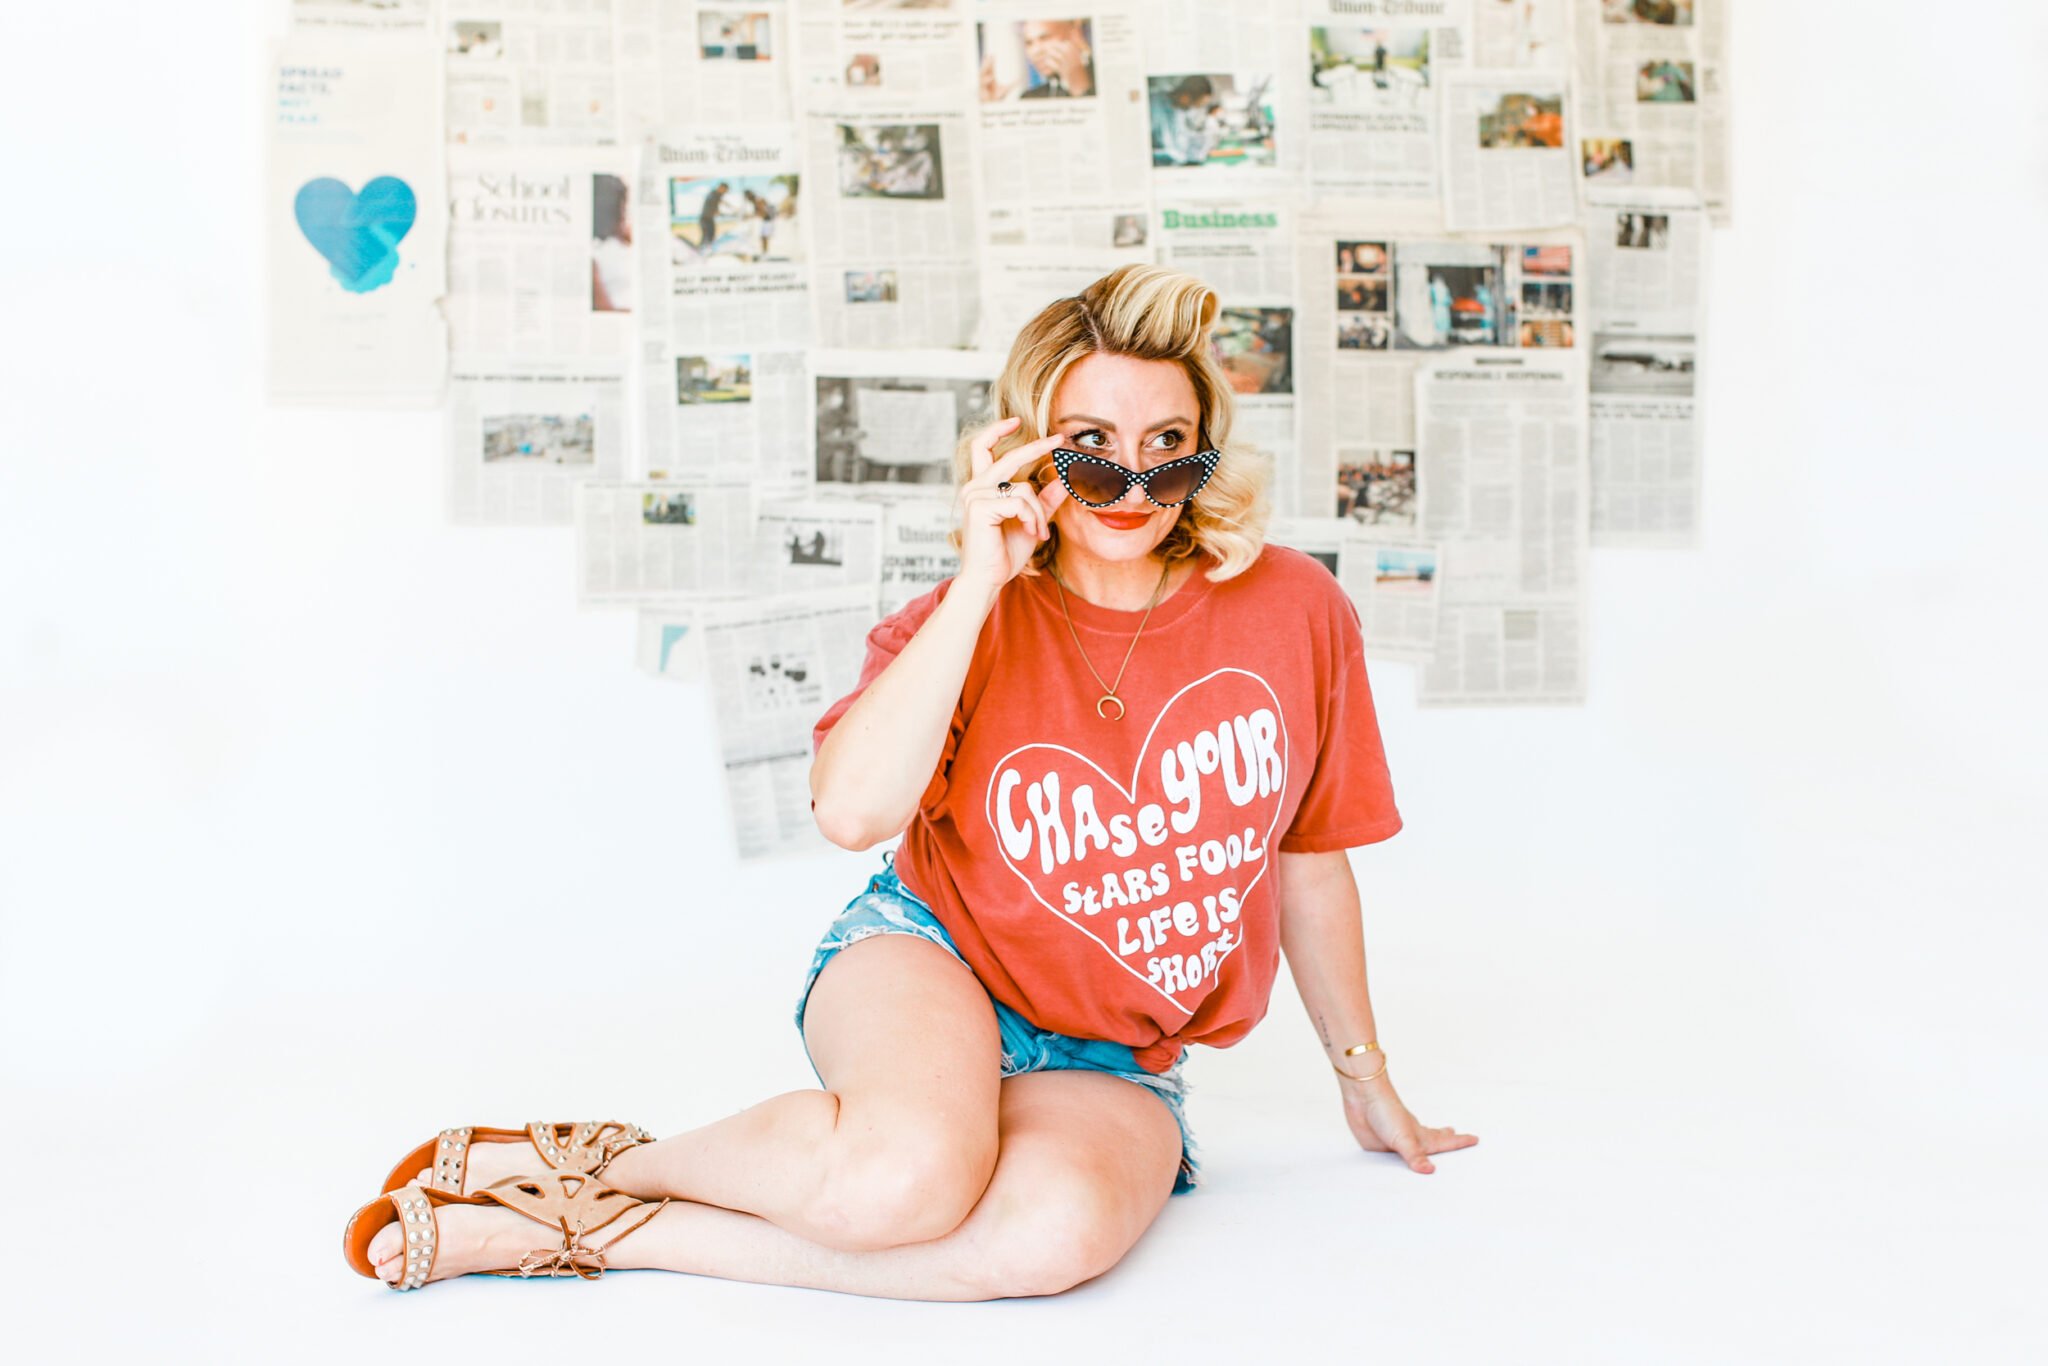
pixel 1126 747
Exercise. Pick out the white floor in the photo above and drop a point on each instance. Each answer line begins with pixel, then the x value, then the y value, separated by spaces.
pixel 324 825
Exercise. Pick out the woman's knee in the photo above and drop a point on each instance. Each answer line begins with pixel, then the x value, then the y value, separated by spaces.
pixel 906 1178
pixel 1075 1226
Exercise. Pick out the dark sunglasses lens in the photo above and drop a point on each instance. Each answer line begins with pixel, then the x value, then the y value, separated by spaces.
pixel 1093 483
pixel 1175 485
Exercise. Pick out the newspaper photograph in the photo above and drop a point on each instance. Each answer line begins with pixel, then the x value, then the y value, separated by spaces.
pixel 356 220
pixel 886 423
pixel 1227 99
pixel 917 554
pixel 522 436
pixel 1244 249
pixel 727 415
pixel 1392 582
pixel 775 664
pixel 897 225
pixel 667 643
pixel 881 51
pixel 805 544
pixel 531 71
pixel 1506 157
pixel 1645 281
pixel 639 541
pixel 1373 100
pixel 1502 443
pixel 540 252
pixel 1374 302
pixel 686 65
pixel 723 232
pixel 1062 125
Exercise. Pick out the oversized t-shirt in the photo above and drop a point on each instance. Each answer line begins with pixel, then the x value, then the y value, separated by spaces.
pixel 1113 879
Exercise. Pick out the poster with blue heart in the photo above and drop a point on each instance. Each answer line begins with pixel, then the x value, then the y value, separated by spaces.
pixel 358 216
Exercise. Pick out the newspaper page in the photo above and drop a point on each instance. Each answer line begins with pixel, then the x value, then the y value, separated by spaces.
pixel 1639 96
pixel 727 415
pixel 726 313
pixel 540 252
pixel 684 64
pixel 1517 34
pixel 1378 295
pixel 357 222
pixel 775 665
pixel 1712 99
pixel 365 16
pixel 1645 280
pixel 917 552
pixel 887 89
pixel 667 643
pixel 805 544
pixel 1373 95
pixel 1506 157
pixel 1227 99
pixel 532 71
pixel 895 223
pixel 639 541
pixel 523 434
pixel 1392 582
pixel 1502 441
pixel 886 423
pixel 880 52
pixel 1062 123
pixel 1017 285
pixel 1244 250
pixel 723 234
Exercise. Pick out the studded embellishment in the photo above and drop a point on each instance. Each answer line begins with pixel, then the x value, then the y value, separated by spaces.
pixel 414 1208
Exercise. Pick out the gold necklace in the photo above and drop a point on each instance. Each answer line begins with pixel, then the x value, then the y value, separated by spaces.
pixel 1109 689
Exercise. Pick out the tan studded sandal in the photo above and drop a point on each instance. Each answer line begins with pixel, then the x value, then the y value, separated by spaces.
pixel 584 1148
pixel 570 1204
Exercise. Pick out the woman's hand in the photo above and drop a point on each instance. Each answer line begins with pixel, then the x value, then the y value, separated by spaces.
pixel 999 532
pixel 1382 1124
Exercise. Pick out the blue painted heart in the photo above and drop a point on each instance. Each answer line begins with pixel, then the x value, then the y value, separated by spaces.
pixel 358 232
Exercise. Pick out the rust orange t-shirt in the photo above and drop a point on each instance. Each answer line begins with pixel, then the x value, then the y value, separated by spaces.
pixel 1113 879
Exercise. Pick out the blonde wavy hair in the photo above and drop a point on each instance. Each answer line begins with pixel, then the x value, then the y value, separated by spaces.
pixel 1150 313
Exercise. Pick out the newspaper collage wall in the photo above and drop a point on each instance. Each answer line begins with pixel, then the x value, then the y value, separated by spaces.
pixel 717 285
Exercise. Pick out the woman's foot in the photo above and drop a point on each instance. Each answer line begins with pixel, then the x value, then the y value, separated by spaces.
pixel 472 1238
pixel 486 1164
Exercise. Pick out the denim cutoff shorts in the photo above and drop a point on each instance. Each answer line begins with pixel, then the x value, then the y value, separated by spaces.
pixel 888 907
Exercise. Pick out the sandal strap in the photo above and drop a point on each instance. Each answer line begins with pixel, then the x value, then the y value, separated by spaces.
pixel 449 1157
pixel 575 1257
pixel 422 1236
pixel 574 1204
pixel 587 1148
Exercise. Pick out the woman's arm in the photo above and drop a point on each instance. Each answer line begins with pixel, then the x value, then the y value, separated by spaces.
pixel 878 759
pixel 1323 935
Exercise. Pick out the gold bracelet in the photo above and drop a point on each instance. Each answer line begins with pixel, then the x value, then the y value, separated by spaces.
pixel 1354 1051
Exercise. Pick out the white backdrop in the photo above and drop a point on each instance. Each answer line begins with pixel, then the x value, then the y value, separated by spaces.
pixel 1734 971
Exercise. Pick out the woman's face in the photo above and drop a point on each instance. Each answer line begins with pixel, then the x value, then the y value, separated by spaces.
pixel 1137 413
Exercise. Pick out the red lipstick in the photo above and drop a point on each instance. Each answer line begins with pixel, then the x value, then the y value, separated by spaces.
pixel 1124 521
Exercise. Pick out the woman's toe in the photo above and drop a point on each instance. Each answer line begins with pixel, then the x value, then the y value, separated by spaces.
pixel 387 1246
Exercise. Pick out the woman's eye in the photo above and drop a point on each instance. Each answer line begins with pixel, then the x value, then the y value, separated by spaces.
pixel 1092 439
pixel 1169 440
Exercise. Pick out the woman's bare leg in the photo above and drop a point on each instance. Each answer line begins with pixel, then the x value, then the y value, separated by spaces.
pixel 1086 1163
pixel 898 1147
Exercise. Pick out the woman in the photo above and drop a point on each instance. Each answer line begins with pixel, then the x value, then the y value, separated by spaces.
pixel 1127 746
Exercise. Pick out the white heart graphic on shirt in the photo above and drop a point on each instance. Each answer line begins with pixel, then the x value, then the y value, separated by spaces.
pixel 1215 762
